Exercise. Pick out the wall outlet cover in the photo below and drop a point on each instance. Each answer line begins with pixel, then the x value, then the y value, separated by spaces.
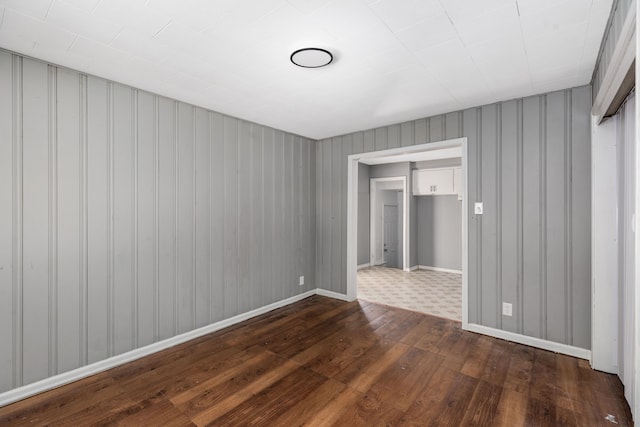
pixel 507 309
pixel 301 280
pixel 477 208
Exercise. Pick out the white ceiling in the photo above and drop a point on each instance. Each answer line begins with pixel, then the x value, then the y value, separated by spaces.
pixel 395 60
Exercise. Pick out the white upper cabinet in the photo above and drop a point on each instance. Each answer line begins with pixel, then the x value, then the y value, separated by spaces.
pixel 432 181
pixel 441 181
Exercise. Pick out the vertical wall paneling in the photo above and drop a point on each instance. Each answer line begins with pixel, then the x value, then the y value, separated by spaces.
pixel 36 238
pixel 531 217
pixel 256 277
pixel 393 136
pixel 297 261
pixel 217 217
pixel 98 272
pixel 127 218
pixel 123 219
pixel 508 206
pixel 336 204
pixel 268 190
pixel 84 224
pixel 470 130
pixel 278 201
pixel 288 217
pixel 347 150
pixel 166 217
pixel 146 221
pixel 17 145
pixel 406 134
pixel 436 128
pixel 556 217
pixel 69 211
pixel 202 224
pixel 231 216
pixel 185 213
pixel 244 217
pixel 580 180
pixel 489 291
pixel 156 219
pixel 8 166
pixel 421 131
pixel 528 162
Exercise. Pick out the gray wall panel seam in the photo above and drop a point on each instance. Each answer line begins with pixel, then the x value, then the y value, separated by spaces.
pixel 176 263
pixel 498 215
pixel 134 219
pixel 53 220
pixel 478 219
pixel 110 221
pixel 210 216
pixel 84 230
pixel 543 213
pixel 17 226
pixel 568 217
pixel 156 219
pixel 194 287
pixel 520 220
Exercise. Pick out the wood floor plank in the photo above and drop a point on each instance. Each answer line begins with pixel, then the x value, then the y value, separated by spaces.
pixel 512 409
pixel 404 379
pixel 308 409
pixel 324 362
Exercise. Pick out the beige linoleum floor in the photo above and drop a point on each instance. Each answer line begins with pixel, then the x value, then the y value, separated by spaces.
pixel 432 292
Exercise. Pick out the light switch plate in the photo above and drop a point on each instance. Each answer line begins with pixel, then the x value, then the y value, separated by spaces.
pixel 301 282
pixel 477 208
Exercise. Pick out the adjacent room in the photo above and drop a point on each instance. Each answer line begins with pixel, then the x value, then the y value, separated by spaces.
pixel 319 212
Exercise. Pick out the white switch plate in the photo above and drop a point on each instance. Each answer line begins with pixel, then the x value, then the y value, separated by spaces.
pixel 477 208
pixel 507 309
pixel 301 280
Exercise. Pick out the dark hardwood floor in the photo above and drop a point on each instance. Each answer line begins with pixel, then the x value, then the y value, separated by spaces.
pixel 326 362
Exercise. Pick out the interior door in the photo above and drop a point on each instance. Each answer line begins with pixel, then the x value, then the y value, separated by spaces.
pixel 390 235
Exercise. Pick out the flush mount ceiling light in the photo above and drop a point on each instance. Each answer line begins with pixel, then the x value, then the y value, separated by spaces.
pixel 311 57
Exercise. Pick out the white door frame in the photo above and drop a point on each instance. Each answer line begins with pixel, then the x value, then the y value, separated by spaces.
pixel 352 211
pixel 373 195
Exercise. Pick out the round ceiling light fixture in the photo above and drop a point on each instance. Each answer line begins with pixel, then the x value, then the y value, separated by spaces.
pixel 311 57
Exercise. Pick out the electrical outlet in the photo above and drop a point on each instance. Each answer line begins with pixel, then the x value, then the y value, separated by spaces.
pixel 301 281
pixel 507 309
pixel 477 209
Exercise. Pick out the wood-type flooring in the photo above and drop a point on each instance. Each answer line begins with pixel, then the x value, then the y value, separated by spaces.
pixel 324 362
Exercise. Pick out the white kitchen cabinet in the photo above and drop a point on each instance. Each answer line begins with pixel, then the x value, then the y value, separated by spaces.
pixel 433 182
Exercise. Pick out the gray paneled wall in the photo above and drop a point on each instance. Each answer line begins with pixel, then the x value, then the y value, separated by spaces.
pixel 620 10
pixel 127 218
pixel 364 218
pixel 529 162
pixel 439 231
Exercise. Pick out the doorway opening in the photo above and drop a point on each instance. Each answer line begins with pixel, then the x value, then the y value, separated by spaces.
pixel 388 220
pixel 402 261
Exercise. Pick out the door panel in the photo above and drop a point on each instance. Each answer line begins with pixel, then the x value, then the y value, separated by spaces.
pixel 390 235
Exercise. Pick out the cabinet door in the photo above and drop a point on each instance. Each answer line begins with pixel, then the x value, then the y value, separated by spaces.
pixel 433 181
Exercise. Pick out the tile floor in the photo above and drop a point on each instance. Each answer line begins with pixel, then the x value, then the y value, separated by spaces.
pixel 426 291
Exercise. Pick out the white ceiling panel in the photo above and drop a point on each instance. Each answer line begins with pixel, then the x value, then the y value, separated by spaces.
pixel 394 60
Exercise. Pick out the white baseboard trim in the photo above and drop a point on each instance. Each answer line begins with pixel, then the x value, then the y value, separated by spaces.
pixel 581 353
pixel 55 381
pixel 444 270
pixel 415 267
pixel 361 266
pixel 331 294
